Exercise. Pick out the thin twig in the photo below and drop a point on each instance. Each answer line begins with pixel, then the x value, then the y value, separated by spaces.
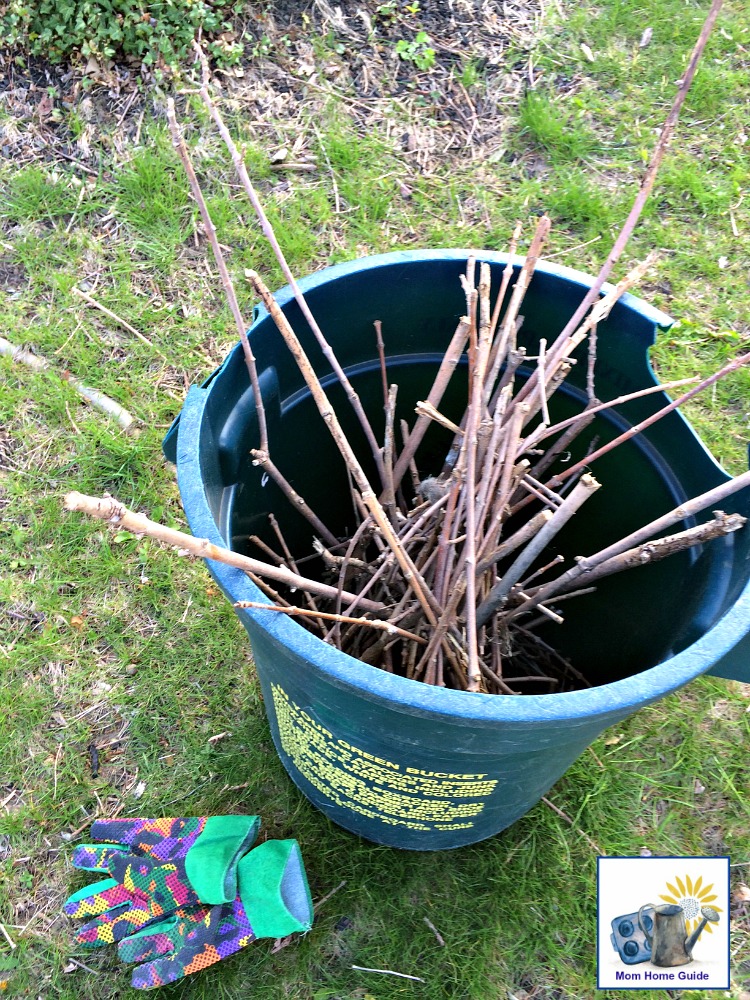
pixel 268 232
pixel 381 356
pixel 324 899
pixel 570 822
pixel 650 176
pixel 595 407
pixel 445 371
pixel 685 510
pixel 631 432
pixel 86 968
pixel 118 319
pixel 331 617
pixel 263 460
pixel 543 382
pixel 328 414
pixel 389 972
pixel 582 492
pixel 389 493
pixel 226 282
pixel 591 365
pixel 435 931
pixel 8 938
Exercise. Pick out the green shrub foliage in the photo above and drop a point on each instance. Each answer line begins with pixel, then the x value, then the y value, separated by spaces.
pixel 158 33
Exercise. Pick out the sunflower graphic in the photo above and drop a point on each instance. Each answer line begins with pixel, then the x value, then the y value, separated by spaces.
pixel 691 896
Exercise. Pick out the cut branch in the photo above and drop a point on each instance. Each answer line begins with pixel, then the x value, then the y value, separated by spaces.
pixel 499 593
pixel 650 176
pixel 268 232
pixel 577 574
pixel 226 281
pixel 93 396
pixel 116 514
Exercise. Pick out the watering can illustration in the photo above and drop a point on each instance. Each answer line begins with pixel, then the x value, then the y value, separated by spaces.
pixel 669 941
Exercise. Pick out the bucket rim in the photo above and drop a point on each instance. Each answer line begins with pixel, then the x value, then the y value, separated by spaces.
pixel 394 257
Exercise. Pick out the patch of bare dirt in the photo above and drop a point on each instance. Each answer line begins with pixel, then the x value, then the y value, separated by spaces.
pixel 447 70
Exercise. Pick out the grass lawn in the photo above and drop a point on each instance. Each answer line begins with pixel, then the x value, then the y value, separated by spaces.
pixel 109 641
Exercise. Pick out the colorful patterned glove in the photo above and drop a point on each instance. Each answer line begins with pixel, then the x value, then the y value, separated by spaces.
pixel 273 901
pixel 157 866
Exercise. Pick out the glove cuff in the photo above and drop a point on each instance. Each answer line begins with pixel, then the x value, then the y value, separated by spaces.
pixel 211 863
pixel 274 889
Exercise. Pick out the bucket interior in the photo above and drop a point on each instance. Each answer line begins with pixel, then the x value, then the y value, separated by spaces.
pixel 633 621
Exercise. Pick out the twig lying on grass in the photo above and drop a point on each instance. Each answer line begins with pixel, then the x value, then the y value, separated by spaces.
pixel 435 931
pixel 118 319
pixel 570 822
pixel 93 396
pixel 8 938
pixel 389 972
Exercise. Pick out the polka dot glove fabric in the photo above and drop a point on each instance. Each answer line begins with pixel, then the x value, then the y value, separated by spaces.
pixel 273 901
pixel 156 867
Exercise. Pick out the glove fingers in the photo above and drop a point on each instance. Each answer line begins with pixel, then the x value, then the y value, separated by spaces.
pixel 167 970
pixel 164 884
pixel 201 937
pixel 95 857
pixel 159 973
pixel 155 941
pixel 110 927
pixel 163 838
pixel 97 899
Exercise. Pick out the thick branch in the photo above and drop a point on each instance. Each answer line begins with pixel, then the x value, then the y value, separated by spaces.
pixel 499 593
pixel 577 575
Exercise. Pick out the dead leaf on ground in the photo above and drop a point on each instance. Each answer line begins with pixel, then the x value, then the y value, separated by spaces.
pixel 44 107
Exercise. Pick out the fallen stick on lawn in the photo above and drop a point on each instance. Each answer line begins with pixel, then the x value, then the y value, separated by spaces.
pixel 118 319
pixel 93 396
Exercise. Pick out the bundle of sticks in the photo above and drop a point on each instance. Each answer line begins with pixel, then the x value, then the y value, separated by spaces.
pixel 445 578
pixel 462 579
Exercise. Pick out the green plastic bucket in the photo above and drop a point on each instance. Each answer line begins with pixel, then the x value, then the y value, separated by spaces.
pixel 394 760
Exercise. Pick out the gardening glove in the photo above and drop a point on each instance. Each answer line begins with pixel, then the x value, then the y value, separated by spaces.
pixel 273 901
pixel 156 866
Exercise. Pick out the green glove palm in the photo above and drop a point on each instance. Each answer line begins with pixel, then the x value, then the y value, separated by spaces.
pixel 273 901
